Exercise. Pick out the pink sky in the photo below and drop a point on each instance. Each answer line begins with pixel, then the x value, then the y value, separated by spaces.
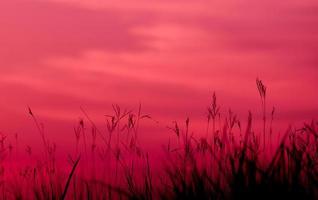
pixel 58 55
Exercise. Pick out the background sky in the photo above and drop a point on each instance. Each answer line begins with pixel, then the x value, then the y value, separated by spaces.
pixel 168 55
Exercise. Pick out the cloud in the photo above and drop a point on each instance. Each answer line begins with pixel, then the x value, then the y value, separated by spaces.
pixel 33 30
pixel 168 54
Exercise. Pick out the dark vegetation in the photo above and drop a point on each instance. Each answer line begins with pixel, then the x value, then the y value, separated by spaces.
pixel 229 162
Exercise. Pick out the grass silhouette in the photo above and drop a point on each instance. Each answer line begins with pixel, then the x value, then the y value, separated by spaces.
pixel 229 162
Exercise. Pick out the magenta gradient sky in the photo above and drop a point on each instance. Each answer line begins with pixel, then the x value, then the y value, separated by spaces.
pixel 58 55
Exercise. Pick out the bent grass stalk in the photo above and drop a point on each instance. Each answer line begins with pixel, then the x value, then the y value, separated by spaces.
pixel 69 178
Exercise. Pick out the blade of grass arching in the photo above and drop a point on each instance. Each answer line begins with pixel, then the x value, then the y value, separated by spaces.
pixel 69 178
pixel 277 153
pixel 41 131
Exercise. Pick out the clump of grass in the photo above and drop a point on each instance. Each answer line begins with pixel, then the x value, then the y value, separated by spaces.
pixel 227 164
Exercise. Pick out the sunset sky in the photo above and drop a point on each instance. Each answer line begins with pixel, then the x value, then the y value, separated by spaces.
pixel 168 55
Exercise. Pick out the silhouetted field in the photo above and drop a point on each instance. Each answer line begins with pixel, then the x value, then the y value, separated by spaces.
pixel 232 161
